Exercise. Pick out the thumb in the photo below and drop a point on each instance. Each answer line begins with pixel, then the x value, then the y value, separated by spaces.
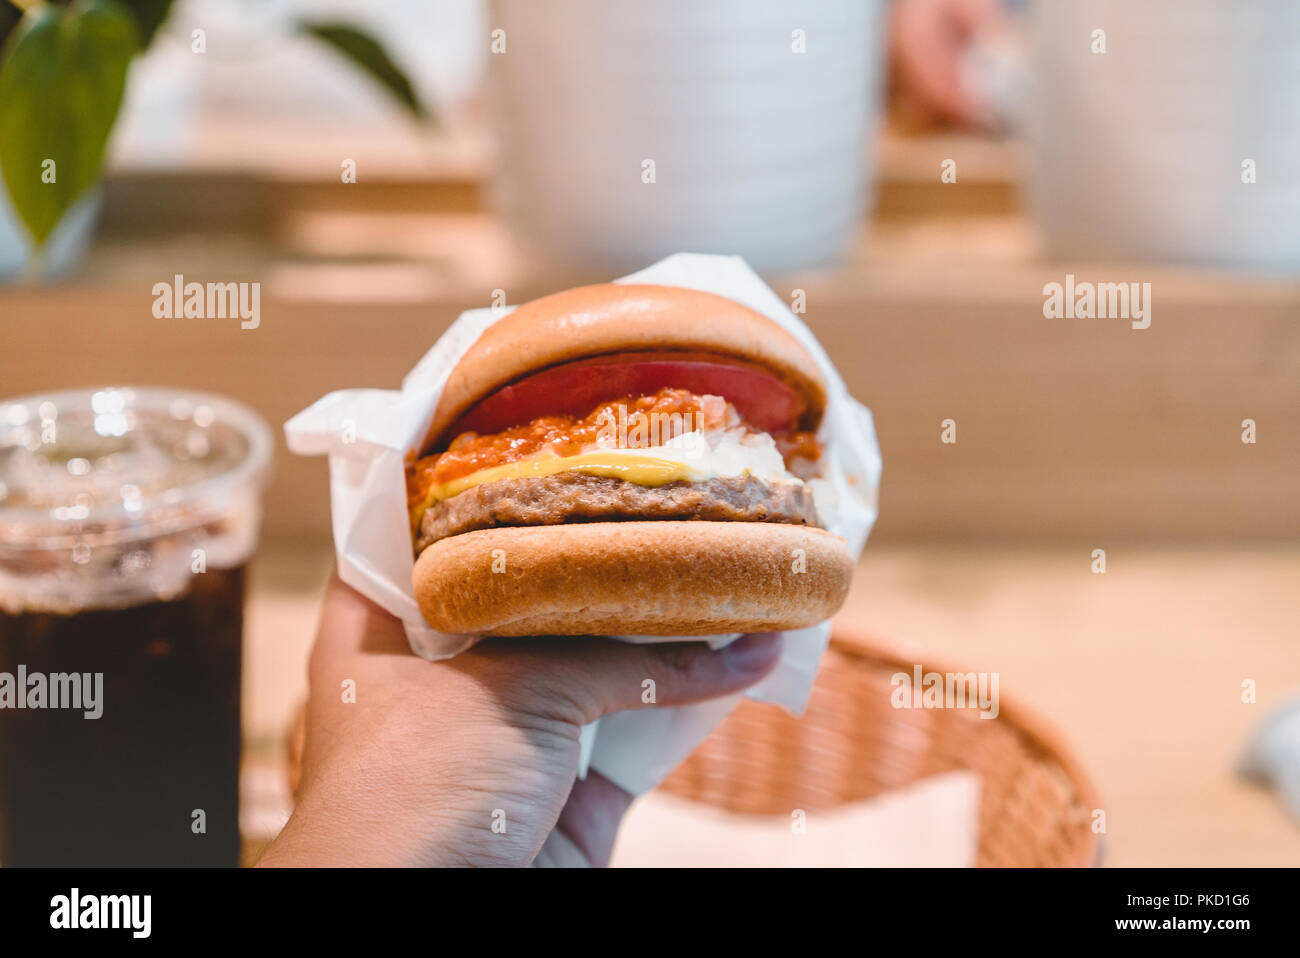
pixel 591 677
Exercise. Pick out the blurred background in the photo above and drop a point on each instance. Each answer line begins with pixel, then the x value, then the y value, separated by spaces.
pixel 913 172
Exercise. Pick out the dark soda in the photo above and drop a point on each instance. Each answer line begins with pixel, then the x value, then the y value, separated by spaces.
pixel 154 781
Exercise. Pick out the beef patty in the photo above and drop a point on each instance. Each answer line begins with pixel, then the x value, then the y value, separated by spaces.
pixel 575 497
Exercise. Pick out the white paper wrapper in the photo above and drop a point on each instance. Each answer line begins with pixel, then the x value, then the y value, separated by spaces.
pixel 367 433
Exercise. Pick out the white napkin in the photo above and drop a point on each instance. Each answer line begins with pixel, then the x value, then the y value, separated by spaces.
pixel 932 823
pixel 367 434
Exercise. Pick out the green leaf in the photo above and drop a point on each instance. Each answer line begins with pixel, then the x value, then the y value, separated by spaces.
pixel 9 17
pixel 365 52
pixel 62 74
pixel 149 16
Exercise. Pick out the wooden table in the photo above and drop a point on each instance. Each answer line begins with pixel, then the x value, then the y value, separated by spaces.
pixel 1139 669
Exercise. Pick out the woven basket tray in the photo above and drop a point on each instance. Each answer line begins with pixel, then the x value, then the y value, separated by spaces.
pixel 852 744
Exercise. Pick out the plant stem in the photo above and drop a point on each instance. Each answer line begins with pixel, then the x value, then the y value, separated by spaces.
pixel 34 268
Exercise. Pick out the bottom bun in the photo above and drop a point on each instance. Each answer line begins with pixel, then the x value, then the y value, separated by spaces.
pixel 633 578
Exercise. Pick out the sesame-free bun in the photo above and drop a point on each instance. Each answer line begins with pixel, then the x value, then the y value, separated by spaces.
pixel 614 318
pixel 666 577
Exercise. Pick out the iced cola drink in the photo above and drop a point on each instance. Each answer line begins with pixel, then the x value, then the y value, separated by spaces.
pixel 127 517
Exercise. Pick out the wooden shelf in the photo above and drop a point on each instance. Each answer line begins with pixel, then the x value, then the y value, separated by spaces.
pixel 1068 430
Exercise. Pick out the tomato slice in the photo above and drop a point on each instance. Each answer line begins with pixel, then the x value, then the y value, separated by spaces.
pixel 763 399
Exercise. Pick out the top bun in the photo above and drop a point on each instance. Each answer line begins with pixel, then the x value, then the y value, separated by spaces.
pixel 613 318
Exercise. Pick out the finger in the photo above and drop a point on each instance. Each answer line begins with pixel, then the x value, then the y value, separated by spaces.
pixel 351 623
pixel 929 41
pixel 591 817
pixel 974 17
pixel 583 678
pixel 928 60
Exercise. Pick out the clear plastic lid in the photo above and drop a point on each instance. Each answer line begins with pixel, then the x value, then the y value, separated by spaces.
pixel 117 495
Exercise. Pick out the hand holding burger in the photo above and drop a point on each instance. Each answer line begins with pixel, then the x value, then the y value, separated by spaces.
pixel 612 460
pixel 432 755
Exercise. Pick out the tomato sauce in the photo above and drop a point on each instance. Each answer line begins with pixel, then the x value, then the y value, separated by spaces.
pixel 634 421
pixel 798 445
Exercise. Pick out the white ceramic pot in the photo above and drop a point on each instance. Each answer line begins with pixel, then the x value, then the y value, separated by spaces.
pixel 758 150
pixel 1138 151
pixel 65 249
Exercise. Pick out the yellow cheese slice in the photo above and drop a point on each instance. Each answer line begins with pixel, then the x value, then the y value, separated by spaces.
pixel 642 470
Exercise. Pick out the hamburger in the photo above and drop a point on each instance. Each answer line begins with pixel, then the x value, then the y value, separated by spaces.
pixel 624 459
